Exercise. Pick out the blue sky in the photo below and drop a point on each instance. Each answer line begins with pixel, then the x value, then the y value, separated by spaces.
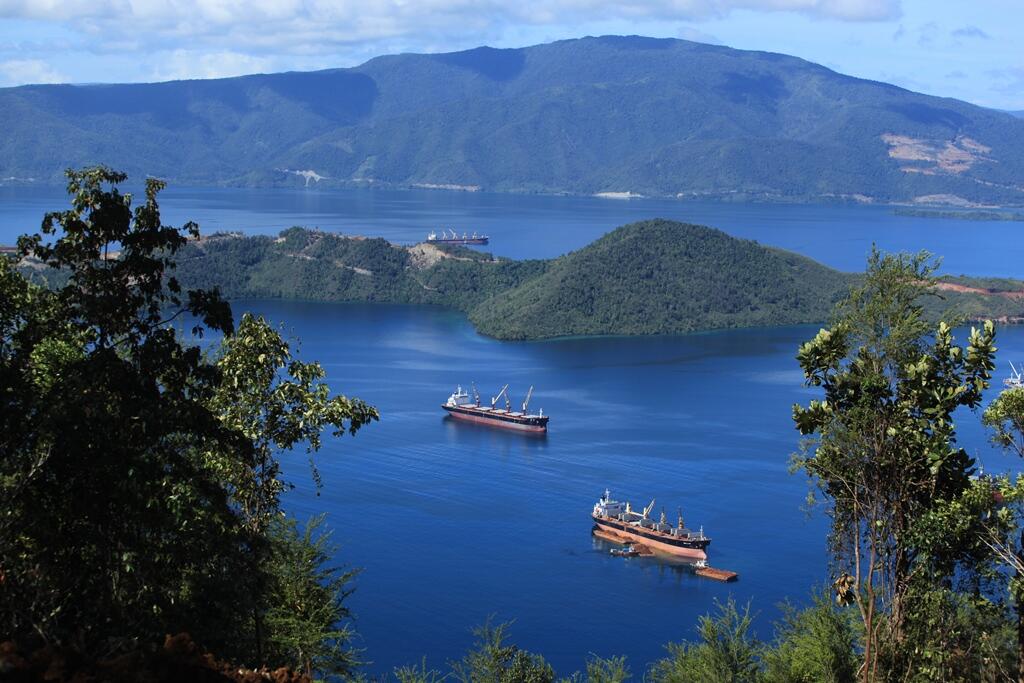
pixel 969 50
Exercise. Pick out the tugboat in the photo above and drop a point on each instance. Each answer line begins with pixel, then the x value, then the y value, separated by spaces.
pixel 619 520
pixel 454 238
pixel 461 407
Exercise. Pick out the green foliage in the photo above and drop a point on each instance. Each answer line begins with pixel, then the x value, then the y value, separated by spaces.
pixel 305 623
pixel 884 457
pixel 1005 418
pixel 139 479
pixel 611 670
pixel 492 660
pixel 815 645
pixel 663 277
pixel 726 652
pixel 653 277
pixel 277 403
pixel 112 528
pixel 658 117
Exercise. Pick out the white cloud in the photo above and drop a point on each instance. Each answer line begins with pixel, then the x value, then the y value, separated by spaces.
pixel 185 64
pixel 308 25
pixel 25 71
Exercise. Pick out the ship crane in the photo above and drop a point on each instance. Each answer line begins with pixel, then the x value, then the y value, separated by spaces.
pixel 476 394
pixel 1015 380
pixel 501 393
pixel 527 401
pixel 647 510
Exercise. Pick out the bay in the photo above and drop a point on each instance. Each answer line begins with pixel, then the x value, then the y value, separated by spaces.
pixel 539 226
pixel 454 523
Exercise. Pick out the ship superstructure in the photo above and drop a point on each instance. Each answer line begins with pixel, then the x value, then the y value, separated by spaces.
pixel 620 520
pixel 452 237
pixel 462 406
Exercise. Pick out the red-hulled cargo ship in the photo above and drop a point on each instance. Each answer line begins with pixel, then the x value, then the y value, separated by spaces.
pixel 460 406
pixel 621 521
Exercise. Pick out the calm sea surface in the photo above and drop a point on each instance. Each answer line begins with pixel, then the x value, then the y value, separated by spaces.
pixel 454 522
pixel 451 523
pixel 534 226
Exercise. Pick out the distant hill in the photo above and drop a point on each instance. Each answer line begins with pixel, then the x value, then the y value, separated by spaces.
pixel 1018 114
pixel 651 277
pixel 610 114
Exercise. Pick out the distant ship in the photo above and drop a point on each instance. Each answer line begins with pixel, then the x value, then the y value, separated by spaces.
pixel 619 520
pixel 1014 381
pixel 460 406
pixel 454 238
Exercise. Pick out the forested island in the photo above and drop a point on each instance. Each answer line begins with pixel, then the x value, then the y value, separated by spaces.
pixel 650 277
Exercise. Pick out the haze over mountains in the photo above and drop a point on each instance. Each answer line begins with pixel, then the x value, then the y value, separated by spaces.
pixel 611 114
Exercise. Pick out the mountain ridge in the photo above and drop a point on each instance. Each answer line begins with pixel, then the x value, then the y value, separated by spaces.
pixel 657 117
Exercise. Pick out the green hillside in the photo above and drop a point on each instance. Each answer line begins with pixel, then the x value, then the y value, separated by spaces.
pixel 609 114
pixel 660 277
pixel 654 277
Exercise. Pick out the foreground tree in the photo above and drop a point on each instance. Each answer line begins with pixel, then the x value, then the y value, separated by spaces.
pixel 138 477
pixel 884 453
pixel 112 527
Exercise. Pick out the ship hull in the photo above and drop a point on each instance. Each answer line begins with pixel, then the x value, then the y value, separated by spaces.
pixel 693 550
pixel 502 421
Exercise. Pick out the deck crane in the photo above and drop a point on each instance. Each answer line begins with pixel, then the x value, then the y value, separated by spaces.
pixel 476 394
pixel 1015 380
pixel 503 391
pixel 527 401
pixel 647 510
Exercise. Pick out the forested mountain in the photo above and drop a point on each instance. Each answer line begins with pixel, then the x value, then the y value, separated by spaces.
pixel 651 277
pixel 609 114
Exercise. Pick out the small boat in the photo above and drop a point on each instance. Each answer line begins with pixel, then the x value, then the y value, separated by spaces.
pixel 628 551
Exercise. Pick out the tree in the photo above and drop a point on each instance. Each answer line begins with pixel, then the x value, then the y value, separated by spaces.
pixel 112 527
pixel 883 454
pixel 1005 418
pixel 140 479
pixel 726 651
pixel 492 660
pixel 277 403
pixel 306 620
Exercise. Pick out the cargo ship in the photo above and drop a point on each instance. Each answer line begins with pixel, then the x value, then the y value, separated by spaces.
pixel 620 521
pixel 453 238
pixel 459 405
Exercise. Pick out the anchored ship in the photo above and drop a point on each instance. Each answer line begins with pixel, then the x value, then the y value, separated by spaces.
pixel 453 238
pixel 622 522
pixel 1014 381
pixel 459 405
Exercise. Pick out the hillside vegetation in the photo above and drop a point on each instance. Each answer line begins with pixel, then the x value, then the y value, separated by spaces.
pixel 608 114
pixel 650 277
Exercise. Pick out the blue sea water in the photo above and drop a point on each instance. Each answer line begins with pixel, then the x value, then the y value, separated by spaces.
pixel 451 523
pixel 538 226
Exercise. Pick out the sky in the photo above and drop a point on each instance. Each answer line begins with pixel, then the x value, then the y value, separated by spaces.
pixel 972 50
